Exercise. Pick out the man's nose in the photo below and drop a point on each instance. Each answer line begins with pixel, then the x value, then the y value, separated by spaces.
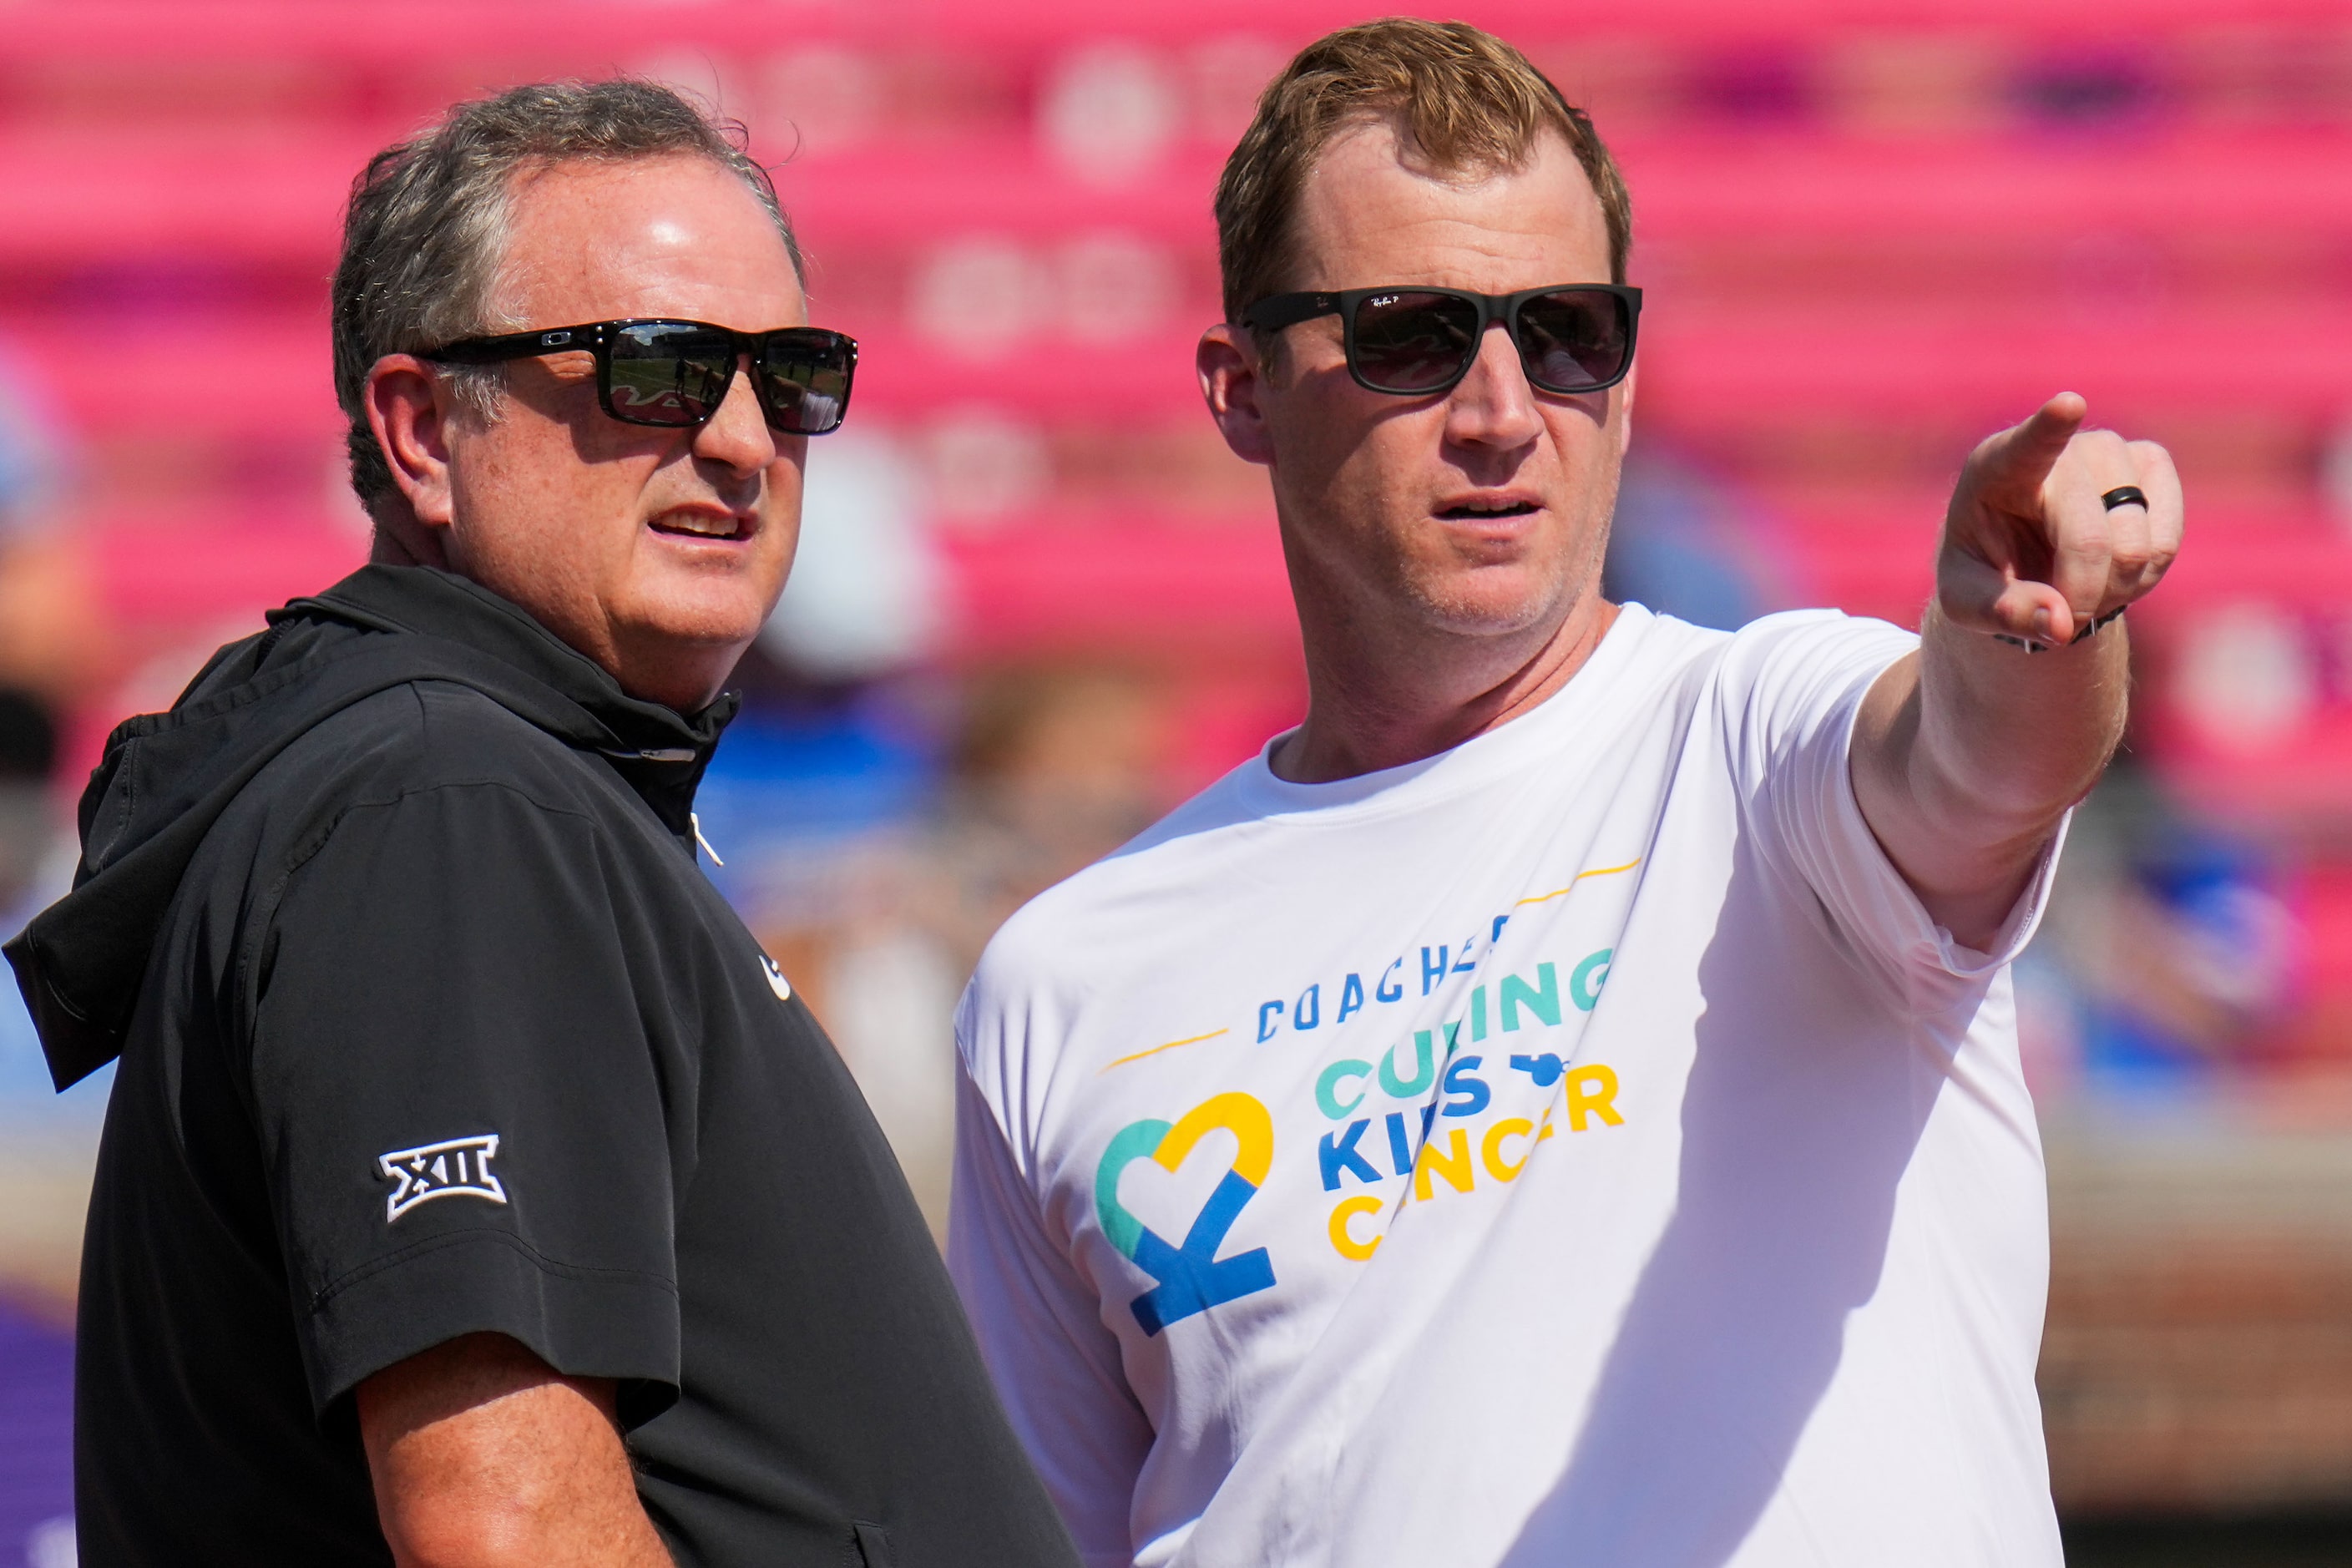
pixel 738 433
pixel 1493 405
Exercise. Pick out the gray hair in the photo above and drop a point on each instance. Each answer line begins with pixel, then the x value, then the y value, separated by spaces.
pixel 425 236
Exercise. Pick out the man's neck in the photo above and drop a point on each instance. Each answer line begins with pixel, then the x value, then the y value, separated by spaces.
pixel 1370 710
pixel 686 679
pixel 398 541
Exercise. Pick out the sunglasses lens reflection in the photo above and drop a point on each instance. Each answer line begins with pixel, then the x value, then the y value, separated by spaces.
pixel 669 372
pixel 678 373
pixel 1409 341
pixel 804 380
pixel 1575 339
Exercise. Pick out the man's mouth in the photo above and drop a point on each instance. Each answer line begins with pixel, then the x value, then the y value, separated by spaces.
pixel 702 525
pixel 1477 510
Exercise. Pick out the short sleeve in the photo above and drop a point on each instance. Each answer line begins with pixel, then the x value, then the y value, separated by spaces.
pixel 462 1122
pixel 1055 1367
pixel 1797 684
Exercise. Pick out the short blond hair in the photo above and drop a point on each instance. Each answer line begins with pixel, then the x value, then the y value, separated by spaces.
pixel 1470 102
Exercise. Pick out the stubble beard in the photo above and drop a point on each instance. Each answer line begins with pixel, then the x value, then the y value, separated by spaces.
pixel 1450 598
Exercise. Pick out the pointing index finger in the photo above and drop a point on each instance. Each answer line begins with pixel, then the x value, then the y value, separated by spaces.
pixel 2033 447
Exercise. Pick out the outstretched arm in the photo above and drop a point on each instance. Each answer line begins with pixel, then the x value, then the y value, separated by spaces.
pixel 1968 753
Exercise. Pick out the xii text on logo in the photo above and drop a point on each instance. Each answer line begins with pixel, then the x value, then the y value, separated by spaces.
pixel 456 1167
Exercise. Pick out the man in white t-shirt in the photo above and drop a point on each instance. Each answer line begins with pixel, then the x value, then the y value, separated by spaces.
pixel 1561 1103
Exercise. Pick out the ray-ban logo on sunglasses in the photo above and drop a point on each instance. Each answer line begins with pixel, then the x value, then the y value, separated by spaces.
pixel 454 1167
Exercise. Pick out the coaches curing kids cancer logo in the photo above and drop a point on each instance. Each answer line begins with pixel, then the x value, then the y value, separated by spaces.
pixel 1191 1278
pixel 457 1167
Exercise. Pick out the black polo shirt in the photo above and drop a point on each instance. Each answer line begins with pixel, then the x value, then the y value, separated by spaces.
pixel 440 1029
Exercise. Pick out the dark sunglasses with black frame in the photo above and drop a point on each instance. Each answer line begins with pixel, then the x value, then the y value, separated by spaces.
pixel 655 371
pixel 1414 342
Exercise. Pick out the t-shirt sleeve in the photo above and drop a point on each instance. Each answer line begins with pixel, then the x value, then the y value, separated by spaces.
pixel 464 1124
pixel 1798 682
pixel 1056 1367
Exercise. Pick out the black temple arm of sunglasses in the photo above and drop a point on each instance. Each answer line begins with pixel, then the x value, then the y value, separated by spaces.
pixel 513 345
pixel 1276 311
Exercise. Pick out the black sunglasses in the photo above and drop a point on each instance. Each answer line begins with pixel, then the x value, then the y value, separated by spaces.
pixel 676 374
pixel 1417 343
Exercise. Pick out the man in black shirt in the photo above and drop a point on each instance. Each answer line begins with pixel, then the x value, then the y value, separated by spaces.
pixel 474 1189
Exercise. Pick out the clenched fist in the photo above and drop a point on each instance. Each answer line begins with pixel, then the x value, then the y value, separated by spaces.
pixel 2029 551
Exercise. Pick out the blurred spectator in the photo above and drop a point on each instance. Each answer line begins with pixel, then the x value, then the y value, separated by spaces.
pixel 1051 767
pixel 47 628
pixel 863 597
pixel 32 452
pixel 1686 548
pixel 50 633
pixel 52 654
pixel 46 1139
pixel 2169 944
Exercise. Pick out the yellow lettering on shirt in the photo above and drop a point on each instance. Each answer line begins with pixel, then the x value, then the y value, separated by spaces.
pixel 1453 1165
pixel 1591 1091
pixel 1491 1151
pixel 1343 1240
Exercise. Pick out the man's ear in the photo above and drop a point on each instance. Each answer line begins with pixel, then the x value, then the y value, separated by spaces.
pixel 1625 411
pixel 409 407
pixel 1232 375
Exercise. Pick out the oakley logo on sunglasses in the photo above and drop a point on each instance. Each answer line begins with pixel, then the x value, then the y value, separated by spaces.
pixel 676 373
pixel 1420 342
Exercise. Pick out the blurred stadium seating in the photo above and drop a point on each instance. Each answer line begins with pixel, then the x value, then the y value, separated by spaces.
pixel 1870 231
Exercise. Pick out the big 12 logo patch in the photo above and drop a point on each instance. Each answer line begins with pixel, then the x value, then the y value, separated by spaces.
pixel 1191 1278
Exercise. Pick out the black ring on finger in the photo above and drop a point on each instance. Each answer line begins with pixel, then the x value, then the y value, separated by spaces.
pixel 2124 495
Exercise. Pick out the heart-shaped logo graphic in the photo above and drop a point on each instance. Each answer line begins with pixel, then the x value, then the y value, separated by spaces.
pixel 1191 1278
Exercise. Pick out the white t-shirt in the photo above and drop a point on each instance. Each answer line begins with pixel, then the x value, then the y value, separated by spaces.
pixel 1577 1147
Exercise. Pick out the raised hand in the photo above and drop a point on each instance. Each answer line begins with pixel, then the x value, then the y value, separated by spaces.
pixel 2029 551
